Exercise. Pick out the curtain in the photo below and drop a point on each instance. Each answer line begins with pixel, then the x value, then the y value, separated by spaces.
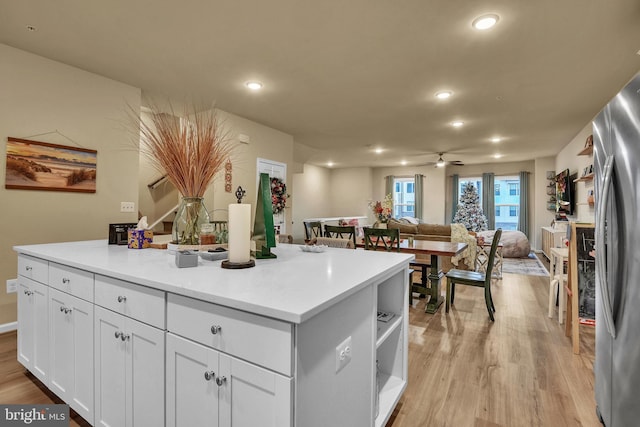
pixel 488 199
pixel 523 218
pixel 418 191
pixel 454 195
pixel 388 185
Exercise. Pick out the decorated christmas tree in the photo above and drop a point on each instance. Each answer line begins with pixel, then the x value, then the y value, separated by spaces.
pixel 469 212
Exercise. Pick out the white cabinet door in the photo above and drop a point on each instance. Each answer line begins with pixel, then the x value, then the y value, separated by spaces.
pixel 33 329
pixel 71 351
pixel 129 371
pixel 192 392
pixel 145 373
pixel 110 398
pixel 252 396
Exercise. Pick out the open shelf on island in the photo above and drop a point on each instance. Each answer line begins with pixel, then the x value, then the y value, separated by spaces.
pixel 386 328
pixel 391 389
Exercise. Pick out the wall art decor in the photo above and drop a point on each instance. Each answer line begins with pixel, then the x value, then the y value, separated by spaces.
pixel 33 165
pixel 227 176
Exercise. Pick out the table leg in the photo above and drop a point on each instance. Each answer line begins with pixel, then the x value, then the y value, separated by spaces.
pixel 435 275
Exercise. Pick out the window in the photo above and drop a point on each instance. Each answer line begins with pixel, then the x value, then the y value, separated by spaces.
pixel 477 183
pixel 514 188
pixel 506 203
pixel 513 211
pixel 404 199
pixel 497 211
pixel 497 190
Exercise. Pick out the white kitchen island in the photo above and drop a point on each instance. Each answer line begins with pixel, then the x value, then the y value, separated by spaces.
pixel 128 339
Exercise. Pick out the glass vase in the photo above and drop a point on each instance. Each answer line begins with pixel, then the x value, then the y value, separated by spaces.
pixel 189 218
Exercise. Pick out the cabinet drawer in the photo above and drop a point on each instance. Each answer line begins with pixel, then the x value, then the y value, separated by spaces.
pixel 257 339
pixel 71 280
pixel 139 302
pixel 33 268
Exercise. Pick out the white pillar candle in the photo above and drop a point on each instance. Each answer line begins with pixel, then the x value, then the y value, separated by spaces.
pixel 239 232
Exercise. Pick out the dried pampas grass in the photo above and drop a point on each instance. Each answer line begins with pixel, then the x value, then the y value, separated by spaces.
pixel 189 149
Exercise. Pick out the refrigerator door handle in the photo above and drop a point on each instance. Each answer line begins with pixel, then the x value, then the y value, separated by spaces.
pixel 601 258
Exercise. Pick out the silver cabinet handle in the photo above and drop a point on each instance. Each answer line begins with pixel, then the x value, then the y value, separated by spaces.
pixel 28 268
pixel 209 375
pixel 65 280
pixel 122 298
pixel 67 310
pixel 28 293
pixel 118 334
pixel 61 308
pixel 125 337
pixel 215 329
pixel 221 380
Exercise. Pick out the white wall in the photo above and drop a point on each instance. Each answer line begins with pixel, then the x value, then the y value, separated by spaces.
pixel 312 197
pixel 543 217
pixel 568 159
pixel 350 191
pixel 40 96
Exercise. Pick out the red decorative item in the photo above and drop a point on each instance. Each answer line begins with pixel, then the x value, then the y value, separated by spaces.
pixel 278 195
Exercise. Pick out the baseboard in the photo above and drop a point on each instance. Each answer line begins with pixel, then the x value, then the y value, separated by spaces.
pixel 8 327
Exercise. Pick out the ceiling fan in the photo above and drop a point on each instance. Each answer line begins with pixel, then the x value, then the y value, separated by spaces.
pixel 441 162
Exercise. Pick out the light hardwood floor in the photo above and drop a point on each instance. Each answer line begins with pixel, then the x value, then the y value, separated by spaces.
pixel 463 369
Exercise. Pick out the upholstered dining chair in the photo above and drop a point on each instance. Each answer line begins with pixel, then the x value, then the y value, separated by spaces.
pixel 312 229
pixel 381 238
pixel 341 232
pixel 474 278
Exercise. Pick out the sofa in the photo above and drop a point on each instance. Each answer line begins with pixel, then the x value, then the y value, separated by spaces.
pixel 438 232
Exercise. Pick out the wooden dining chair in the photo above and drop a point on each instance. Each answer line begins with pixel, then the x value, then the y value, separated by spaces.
pixel 341 232
pixel 474 278
pixel 381 238
pixel 312 229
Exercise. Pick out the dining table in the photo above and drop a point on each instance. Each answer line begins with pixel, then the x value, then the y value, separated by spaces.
pixel 435 250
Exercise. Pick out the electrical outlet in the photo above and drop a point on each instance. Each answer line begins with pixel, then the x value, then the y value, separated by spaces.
pixel 343 354
pixel 12 286
pixel 127 207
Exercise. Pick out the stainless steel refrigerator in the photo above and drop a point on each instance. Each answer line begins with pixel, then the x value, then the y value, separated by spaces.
pixel 616 139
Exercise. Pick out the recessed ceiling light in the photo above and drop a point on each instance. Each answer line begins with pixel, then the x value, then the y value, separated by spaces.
pixel 485 22
pixel 444 94
pixel 378 150
pixel 254 85
pixel 457 124
pixel 497 156
pixel 403 163
pixel 330 164
pixel 31 28
pixel 496 139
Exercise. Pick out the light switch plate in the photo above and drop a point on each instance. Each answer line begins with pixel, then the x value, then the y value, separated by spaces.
pixel 12 286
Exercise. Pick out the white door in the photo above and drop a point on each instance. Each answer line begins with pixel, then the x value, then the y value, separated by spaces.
pixel 145 373
pixel 192 392
pixel 110 373
pixel 252 396
pixel 275 170
pixel 33 327
pixel 71 351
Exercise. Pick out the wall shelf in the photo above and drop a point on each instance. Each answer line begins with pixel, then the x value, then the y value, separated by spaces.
pixel 586 151
pixel 588 177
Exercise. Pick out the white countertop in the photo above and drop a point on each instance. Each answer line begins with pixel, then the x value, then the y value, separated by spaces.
pixel 294 287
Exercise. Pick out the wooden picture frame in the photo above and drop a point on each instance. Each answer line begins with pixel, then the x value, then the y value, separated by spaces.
pixel 34 165
pixel 581 309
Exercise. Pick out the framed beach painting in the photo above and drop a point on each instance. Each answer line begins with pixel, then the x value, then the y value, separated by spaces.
pixel 33 165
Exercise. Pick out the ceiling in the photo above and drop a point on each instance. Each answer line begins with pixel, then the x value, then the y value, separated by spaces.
pixel 347 77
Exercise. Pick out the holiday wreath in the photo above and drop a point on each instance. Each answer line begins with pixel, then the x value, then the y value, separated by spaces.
pixel 278 195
